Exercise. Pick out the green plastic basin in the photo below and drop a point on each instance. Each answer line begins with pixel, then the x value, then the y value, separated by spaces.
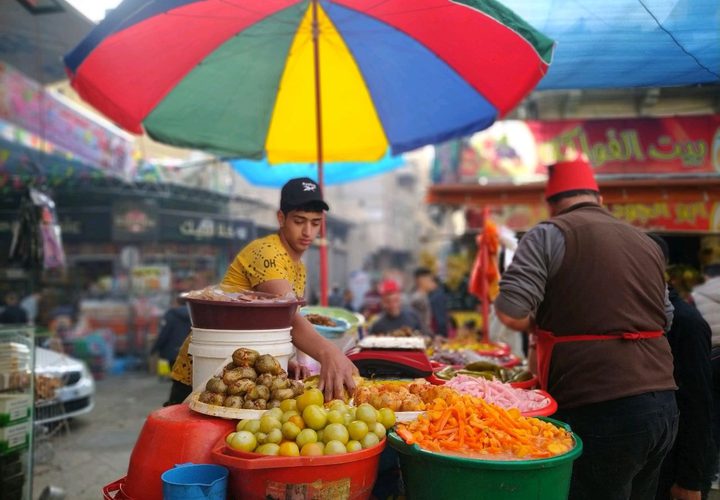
pixel 429 475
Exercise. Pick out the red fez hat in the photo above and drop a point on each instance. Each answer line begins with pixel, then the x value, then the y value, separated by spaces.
pixel 389 286
pixel 570 176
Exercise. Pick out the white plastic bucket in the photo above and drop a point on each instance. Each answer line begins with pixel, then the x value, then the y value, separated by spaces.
pixel 252 337
pixel 211 348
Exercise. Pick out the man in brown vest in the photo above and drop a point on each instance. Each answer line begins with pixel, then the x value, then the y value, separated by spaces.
pixel 591 288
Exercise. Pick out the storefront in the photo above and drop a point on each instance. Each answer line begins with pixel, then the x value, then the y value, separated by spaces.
pixel 660 174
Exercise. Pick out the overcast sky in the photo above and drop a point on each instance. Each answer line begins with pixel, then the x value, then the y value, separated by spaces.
pixel 94 9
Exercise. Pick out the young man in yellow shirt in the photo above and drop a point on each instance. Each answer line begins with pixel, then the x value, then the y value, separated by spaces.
pixel 272 264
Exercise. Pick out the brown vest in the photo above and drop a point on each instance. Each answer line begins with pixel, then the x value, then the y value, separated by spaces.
pixel 611 281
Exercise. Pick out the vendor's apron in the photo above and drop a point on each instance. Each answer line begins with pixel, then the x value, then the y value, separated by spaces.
pixel 545 343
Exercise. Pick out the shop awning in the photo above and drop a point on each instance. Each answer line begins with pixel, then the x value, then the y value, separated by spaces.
pixel 627 43
pixel 22 165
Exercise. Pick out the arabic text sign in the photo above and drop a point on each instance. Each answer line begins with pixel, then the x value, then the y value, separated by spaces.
pixel 670 216
pixel 672 145
pixel 189 227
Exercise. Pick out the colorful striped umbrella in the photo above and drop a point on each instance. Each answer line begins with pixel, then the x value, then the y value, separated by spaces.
pixel 308 80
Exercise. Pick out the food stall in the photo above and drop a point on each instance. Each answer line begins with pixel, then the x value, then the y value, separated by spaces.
pixel 253 432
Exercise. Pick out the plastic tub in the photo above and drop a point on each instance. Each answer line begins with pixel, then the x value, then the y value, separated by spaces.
pixel 250 337
pixel 545 411
pixel 208 358
pixel 495 349
pixel 114 490
pixel 469 478
pixel 195 482
pixel 353 320
pixel 172 435
pixel 219 315
pixel 526 384
pixel 348 476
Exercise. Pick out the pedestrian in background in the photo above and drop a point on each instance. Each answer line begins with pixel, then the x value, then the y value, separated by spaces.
pixel 13 314
pixel 335 299
pixel 174 329
pixel 372 299
pixel 687 470
pixel 348 300
pixel 430 302
pixel 394 315
pixel 592 289
pixel 706 298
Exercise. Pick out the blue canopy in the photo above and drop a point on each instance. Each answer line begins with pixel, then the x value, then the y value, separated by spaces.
pixel 627 43
pixel 261 173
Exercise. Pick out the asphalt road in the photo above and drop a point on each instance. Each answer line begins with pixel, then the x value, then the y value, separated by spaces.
pixel 95 451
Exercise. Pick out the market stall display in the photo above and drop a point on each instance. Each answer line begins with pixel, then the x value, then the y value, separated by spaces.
pixel 245 384
pixel 494 349
pixel 212 349
pixel 529 402
pixel 410 398
pixel 312 430
pixel 306 448
pixel 487 370
pixel 350 475
pixel 459 477
pixel 252 381
pixel 481 451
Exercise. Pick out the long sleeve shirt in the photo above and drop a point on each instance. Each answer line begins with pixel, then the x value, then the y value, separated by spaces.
pixel 689 339
pixel 538 257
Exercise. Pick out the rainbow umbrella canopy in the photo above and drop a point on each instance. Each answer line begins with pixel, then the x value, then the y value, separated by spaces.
pixel 237 77
pixel 288 81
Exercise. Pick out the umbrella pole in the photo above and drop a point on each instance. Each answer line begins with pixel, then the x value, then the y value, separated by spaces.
pixel 319 136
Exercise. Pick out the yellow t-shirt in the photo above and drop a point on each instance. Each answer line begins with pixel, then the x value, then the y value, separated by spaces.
pixel 263 260
pixel 260 261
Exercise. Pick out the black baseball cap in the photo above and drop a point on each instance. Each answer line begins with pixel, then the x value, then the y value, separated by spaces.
pixel 302 192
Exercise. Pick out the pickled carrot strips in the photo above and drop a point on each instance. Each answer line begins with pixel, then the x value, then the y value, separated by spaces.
pixel 471 426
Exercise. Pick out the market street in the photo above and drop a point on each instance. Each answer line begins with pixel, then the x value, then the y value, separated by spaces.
pixel 97 450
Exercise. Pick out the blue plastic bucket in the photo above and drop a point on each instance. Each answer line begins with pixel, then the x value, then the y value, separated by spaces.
pixel 195 482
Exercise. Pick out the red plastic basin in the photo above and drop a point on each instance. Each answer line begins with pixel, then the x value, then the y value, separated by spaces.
pixel 526 384
pixel 218 315
pixel 172 435
pixel 258 477
pixel 545 411
pixel 115 490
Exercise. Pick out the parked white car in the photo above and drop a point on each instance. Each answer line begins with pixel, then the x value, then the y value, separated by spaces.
pixel 75 397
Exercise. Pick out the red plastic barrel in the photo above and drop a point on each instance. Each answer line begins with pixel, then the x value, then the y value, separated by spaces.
pixel 257 477
pixel 172 435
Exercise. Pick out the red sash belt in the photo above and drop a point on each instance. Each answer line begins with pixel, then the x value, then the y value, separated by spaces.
pixel 546 343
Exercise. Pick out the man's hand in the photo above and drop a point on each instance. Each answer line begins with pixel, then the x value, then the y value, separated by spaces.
pixel 680 493
pixel 297 370
pixel 336 372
